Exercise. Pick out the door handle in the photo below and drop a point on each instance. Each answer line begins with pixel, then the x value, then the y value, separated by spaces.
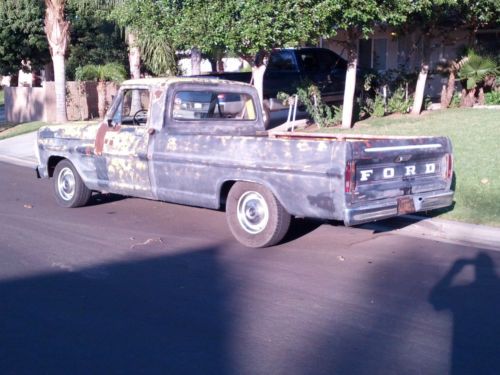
pixel 151 131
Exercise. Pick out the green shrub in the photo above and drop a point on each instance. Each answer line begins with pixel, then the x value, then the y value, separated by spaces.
pixel 492 98
pixel 374 107
pixel 310 96
pixel 108 72
pixel 455 101
pixel 398 103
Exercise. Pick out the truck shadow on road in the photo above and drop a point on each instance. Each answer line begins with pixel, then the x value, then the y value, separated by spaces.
pixel 475 307
pixel 162 315
pixel 104 198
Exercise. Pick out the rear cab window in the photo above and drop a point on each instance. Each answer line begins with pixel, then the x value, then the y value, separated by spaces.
pixel 217 107
pixel 212 105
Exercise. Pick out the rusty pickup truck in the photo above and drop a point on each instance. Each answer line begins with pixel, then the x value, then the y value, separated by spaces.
pixel 202 142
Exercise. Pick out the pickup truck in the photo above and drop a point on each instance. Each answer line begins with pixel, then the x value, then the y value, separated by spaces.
pixel 201 142
pixel 289 68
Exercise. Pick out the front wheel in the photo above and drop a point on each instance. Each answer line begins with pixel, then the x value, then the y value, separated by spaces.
pixel 254 215
pixel 69 189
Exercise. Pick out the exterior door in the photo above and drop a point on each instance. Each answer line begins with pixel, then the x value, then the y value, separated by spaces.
pixel 122 164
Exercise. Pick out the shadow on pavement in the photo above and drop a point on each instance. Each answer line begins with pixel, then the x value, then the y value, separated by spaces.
pixel 104 198
pixel 475 308
pixel 300 228
pixel 165 315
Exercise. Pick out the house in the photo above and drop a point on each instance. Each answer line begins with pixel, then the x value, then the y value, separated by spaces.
pixel 387 50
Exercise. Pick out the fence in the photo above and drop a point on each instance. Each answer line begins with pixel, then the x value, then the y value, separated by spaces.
pixel 26 104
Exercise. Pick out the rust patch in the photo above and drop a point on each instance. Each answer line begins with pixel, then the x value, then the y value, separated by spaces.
pixel 100 136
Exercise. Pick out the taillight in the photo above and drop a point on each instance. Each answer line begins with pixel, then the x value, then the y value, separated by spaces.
pixel 449 166
pixel 350 174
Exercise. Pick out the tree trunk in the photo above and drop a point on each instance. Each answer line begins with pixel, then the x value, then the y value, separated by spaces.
pixel 220 64
pixel 213 64
pixel 480 98
pixel 444 99
pixel 450 89
pixel 424 72
pixel 134 56
pixel 60 87
pixel 195 61
pixel 258 81
pixel 101 99
pixel 420 89
pixel 134 60
pixel 350 83
pixel 468 98
pixel 57 31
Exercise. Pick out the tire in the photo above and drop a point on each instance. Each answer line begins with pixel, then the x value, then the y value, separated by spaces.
pixel 69 189
pixel 254 215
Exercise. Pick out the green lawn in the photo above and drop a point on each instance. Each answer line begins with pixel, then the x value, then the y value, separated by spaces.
pixel 7 131
pixel 475 134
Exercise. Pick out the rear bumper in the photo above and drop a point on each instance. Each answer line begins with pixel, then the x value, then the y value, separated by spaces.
pixel 389 207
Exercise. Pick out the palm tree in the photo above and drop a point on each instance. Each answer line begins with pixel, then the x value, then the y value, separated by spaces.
pixel 450 68
pixel 475 74
pixel 57 31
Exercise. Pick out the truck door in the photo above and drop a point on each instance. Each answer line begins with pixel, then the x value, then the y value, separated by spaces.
pixel 121 160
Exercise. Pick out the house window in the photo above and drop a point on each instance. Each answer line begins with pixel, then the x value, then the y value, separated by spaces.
pixel 373 54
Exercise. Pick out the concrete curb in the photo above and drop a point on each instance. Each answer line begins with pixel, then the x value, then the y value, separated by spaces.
pixel 465 234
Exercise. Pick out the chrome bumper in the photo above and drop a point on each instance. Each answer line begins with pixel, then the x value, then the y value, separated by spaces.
pixel 389 207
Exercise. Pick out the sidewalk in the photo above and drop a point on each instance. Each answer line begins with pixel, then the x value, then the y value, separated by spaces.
pixel 20 150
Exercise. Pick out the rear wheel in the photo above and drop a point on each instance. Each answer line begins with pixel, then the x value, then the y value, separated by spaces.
pixel 254 215
pixel 69 189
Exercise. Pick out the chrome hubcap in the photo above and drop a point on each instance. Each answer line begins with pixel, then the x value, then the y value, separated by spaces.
pixel 253 213
pixel 66 184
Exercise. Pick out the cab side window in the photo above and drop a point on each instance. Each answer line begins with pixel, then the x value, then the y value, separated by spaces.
pixel 133 108
pixel 217 105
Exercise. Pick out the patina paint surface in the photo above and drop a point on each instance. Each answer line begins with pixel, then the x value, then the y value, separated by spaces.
pixel 192 162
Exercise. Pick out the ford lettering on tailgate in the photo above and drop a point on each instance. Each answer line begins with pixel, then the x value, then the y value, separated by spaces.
pixel 400 171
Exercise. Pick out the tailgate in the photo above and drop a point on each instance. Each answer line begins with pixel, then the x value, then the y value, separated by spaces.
pixel 395 167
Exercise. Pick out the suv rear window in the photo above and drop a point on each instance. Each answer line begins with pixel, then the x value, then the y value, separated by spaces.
pixel 194 105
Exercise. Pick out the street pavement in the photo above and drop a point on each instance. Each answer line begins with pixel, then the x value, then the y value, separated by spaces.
pixel 20 151
pixel 131 286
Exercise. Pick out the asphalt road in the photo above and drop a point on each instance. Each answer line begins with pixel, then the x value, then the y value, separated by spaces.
pixel 129 286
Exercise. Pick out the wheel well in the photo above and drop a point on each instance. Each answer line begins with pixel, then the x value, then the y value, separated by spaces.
pixel 224 191
pixel 51 164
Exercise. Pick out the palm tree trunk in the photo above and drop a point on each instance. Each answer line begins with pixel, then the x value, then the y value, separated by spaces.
pixel 60 86
pixel 57 31
pixel 450 88
pixel 134 56
pixel 134 59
